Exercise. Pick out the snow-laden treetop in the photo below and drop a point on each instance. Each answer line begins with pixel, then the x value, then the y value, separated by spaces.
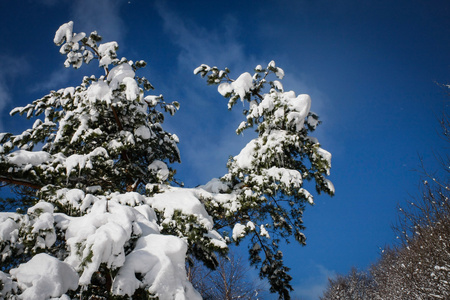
pixel 267 176
pixel 107 220
pixel 105 132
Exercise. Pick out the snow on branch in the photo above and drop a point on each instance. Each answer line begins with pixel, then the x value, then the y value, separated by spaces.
pixel 108 221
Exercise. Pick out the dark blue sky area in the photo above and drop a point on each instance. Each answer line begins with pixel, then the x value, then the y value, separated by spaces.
pixel 372 69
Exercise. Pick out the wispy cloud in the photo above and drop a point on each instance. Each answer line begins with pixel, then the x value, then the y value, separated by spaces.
pixel 207 129
pixel 101 15
pixel 57 79
pixel 10 68
pixel 201 45
pixel 315 285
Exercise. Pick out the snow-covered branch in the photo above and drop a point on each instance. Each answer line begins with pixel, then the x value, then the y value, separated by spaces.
pixel 108 220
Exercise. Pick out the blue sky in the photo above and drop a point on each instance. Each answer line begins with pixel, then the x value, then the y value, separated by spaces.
pixel 371 68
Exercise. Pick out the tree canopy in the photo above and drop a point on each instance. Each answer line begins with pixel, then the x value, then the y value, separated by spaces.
pixel 110 221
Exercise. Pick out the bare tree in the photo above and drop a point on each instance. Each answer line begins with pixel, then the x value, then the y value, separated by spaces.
pixel 423 230
pixel 418 267
pixel 356 285
pixel 231 280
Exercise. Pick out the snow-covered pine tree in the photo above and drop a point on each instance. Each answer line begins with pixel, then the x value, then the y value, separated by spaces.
pixel 266 177
pixel 109 223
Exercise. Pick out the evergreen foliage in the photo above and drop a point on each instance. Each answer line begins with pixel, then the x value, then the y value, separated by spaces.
pixel 107 218
pixel 267 176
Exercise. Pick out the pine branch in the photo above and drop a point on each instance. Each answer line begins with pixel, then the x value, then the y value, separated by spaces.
pixel 22 182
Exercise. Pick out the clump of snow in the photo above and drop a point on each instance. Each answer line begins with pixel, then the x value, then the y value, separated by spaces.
pixel 44 276
pixel 99 91
pixel 330 185
pixel 124 74
pixel 239 230
pixel 278 71
pixel 64 31
pixel 118 74
pixel 263 232
pixel 225 89
pixel 160 260
pixel 184 200
pixel 100 235
pixel 73 161
pixel 143 132
pixel 83 161
pixel 69 91
pixel 42 224
pixel 245 157
pixel 307 195
pixel 161 169
pixel 187 202
pixel 115 145
pixel 152 100
pixel 218 194
pixel 129 198
pixel 9 228
pixel 107 52
pixel 24 157
pixel 299 109
pixel 93 189
pixel 6 285
pixel 76 198
pixel 241 86
pixel 287 177
pixel 215 185
pixel 202 68
pixel 327 156
pixel 278 85
pixel 128 137
pixel 289 109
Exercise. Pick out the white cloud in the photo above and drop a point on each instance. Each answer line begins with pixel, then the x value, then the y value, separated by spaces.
pixel 200 45
pixel 313 288
pixel 57 79
pixel 100 15
pixel 207 129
